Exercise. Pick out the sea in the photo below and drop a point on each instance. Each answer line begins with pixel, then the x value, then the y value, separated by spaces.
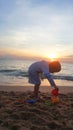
pixel 15 72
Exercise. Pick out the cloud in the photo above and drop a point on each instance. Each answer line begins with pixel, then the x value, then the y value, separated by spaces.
pixel 30 25
pixel 70 56
pixel 67 58
pixel 30 13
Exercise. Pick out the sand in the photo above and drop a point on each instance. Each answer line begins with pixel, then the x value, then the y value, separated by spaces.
pixel 17 114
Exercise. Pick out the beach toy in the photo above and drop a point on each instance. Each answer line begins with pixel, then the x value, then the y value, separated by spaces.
pixel 31 101
pixel 48 103
pixel 55 99
pixel 19 102
pixel 55 92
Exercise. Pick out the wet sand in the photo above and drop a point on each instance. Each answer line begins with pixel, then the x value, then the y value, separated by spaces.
pixel 17 114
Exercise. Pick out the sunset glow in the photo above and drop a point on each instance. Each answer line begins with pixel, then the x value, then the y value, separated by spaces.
pixel 33 28
pixel 52 56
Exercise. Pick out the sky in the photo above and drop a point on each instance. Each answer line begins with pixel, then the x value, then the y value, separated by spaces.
pixel 36 28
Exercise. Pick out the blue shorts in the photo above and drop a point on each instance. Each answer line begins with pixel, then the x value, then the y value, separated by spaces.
pixel 34 78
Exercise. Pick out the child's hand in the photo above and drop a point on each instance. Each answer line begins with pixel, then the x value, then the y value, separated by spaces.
pixel 57 88
pixel 55 92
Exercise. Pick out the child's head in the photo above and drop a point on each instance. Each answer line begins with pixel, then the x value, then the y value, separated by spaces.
pixel 54 66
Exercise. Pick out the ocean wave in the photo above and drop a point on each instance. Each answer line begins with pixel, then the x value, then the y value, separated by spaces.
pixel 62 77
pixel 15 72
pixel 7 70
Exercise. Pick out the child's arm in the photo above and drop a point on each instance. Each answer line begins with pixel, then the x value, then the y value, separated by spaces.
pixel 49 77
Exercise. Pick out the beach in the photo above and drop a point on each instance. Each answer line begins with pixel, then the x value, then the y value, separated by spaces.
pixel 36 48
pixel 18 114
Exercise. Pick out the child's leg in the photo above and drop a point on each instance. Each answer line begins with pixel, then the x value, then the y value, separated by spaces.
pixel 36 90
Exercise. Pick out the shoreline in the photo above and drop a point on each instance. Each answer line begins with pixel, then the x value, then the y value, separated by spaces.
pixel 8 88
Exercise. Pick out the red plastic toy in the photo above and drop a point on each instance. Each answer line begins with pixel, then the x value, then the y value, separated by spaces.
pixel 55 99
pixel 55 92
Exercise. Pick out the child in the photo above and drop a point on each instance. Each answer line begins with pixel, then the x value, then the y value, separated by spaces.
pixel 42 67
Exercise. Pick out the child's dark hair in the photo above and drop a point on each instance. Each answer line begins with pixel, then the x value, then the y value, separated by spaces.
pixel 54 66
